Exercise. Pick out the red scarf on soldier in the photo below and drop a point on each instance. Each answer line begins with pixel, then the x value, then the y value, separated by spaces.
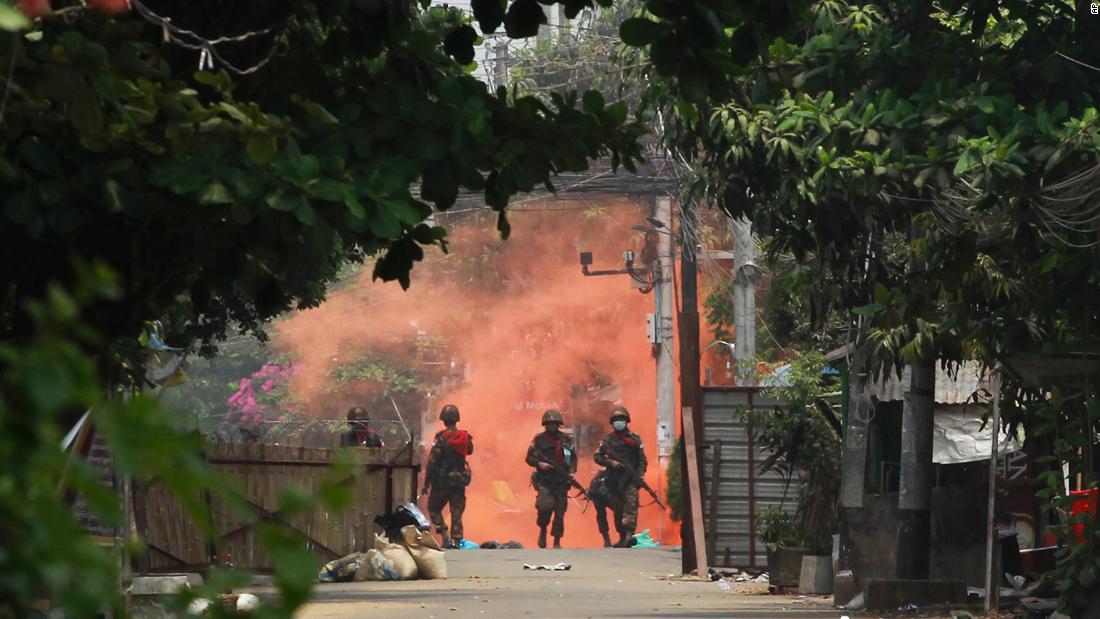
pixel 559 451
pixel 459 440
pixel 626 438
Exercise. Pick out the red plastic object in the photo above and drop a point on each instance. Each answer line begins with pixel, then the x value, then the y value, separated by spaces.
pixel 1083 503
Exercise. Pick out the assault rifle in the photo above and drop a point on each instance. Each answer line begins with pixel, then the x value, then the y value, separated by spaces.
pixel 641 483
pixel 565 474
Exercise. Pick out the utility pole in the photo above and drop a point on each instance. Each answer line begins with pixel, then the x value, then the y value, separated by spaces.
pixel 915 484
pixel 689 384
pixel 854 459
pixel 915 481
pixel 662 301
pixel 500 63
pixel 744 301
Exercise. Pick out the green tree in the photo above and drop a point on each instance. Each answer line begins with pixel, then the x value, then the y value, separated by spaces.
pixel 224 197
pixel 802 437
pixel 936 160
pixel 313 134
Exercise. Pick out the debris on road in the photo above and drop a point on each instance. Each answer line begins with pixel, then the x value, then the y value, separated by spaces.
pixel 856 603
pixel 241 603
pixel 643 540
pixel 405 515
pixel 559 567
pixel 342 569
pixel 246 602
pixel 198 606
pixel 494 545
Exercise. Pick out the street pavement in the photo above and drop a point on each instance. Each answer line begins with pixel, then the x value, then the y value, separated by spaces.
pixel 601 583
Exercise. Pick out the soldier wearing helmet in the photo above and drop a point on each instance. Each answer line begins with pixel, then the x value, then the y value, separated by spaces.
pixel 552 456
pixel 447 476
pixel 359 433
pixel 623 456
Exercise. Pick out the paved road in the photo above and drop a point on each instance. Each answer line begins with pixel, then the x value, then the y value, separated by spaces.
pixel 601 583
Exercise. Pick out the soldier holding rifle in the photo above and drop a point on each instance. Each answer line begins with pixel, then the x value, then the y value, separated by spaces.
pixel 623 456
pixel 551 454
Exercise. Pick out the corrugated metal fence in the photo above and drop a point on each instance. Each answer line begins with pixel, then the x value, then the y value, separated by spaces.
pixel 734 490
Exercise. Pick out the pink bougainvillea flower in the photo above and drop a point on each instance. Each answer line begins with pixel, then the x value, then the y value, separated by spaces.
pixel 110 6
pixel 268 385
pixel 35 8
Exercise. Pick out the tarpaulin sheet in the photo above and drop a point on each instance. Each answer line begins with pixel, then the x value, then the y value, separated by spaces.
pixel 958 436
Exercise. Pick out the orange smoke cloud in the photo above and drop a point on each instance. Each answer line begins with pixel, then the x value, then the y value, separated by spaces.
pixel 532 332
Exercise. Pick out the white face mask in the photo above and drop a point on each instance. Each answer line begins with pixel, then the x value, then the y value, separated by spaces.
pixel 619 425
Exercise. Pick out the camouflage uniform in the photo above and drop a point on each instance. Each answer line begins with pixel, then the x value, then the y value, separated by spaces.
pixel 359 433
pixel 360 438
pixel 555 449
pixel 601 500
pixel 622 487
pixel 448 474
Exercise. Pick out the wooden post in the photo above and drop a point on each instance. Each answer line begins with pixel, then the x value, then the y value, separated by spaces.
pixel 698 543
pixel 690 393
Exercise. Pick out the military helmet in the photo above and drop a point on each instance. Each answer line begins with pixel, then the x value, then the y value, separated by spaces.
pixel 358 413
pixel 620 412
pixel 449 414
pixel 552 416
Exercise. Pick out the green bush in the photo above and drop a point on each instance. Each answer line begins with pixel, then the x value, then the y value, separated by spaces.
pixel 674 482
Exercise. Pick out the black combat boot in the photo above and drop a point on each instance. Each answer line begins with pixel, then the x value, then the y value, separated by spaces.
pixel 542 537
pixel 557 541
pixel 606 539
pixel 456 543
pixel 626 539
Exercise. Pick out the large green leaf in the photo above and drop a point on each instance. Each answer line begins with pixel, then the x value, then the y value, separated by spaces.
pixel 12 19
pixel 639 31
pixel 523 19
pixel 489 14
pixel 262 149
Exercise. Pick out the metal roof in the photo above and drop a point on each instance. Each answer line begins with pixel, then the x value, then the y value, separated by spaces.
pixel 968 385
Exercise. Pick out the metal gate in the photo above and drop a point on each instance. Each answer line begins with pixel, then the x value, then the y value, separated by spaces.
pixel 734 490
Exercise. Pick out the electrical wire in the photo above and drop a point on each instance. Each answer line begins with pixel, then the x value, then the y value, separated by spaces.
pixel 207 48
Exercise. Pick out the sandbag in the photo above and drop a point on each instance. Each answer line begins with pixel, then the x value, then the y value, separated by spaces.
pixel 387 561
pixel 343 569
pixel 377 566
pixel 381 542
pixel 402 562
pixel 415 538
pixel 431 563
pixel 430 559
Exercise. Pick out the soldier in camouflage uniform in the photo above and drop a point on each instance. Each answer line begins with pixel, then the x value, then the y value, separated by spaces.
pixel 623 455
pixel 447 476
pixel 551 453
pixel 601 500
pixel 359 433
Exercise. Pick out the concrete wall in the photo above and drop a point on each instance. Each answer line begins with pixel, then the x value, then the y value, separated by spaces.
pixel 958 535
